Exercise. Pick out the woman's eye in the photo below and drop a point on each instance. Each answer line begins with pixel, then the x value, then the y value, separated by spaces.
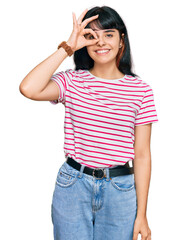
pixel 89 36
pixel 110 35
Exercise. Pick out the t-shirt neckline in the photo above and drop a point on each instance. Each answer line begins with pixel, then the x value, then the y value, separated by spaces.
pixel 104 79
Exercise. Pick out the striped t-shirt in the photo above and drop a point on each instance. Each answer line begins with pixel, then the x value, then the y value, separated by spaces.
pixel 100 115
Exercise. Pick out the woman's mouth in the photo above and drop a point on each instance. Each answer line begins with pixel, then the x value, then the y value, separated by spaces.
pixel 102 52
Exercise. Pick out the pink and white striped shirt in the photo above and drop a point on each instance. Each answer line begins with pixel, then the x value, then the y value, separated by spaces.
pixel 100 115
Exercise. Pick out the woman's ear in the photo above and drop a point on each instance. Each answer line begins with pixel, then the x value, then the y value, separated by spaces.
pixel 121 42
pixel 121 39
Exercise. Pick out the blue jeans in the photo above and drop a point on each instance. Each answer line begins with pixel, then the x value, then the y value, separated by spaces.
pixel 86 208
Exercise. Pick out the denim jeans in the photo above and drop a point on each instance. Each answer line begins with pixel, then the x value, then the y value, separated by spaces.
pixel 86 208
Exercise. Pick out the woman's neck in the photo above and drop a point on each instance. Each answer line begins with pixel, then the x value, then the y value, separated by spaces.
pixel 106 73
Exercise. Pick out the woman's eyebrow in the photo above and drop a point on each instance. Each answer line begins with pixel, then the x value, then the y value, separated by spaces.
pixel 104 31
pixel 109 31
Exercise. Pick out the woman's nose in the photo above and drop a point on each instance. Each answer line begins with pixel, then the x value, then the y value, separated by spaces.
pixel 100 41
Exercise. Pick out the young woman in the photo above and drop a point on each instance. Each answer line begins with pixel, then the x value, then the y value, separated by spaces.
pixel 101 189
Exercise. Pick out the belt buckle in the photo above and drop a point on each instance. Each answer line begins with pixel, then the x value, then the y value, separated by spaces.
pixel 97 169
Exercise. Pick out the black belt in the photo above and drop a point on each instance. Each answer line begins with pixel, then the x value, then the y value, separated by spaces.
pixel 99 173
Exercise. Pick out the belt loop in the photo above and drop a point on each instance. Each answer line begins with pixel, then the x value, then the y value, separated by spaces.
pixel 81 171
pixel 107 174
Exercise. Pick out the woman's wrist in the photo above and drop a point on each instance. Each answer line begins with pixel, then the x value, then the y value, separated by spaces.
pixel 66 47
pixel 141 215
pixel 70 45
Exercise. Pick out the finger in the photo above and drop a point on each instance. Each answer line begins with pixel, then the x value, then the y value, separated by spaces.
pixel 149 231
pixel 135 236
pixel 86 21
pixel 143 237
pixel 89 30
pixel 82 16
pixel 74 20
pixel 91 42
pixel 149 235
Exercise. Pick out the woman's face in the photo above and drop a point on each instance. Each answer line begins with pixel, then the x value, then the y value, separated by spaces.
pixel 106 49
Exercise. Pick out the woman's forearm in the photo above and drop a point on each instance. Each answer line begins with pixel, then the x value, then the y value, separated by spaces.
pixel 142 174
pixel 37 79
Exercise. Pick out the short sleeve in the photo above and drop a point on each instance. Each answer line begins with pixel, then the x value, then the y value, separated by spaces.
pixel 147 112
pixel 60 80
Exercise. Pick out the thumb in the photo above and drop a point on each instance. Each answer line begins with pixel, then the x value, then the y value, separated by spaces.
pixel 92 42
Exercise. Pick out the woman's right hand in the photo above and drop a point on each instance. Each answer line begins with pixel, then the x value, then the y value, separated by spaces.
pixel 77 40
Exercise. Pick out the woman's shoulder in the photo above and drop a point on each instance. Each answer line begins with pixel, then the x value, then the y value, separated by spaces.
pixel 138 80
pixel 76 73
pixel 79 71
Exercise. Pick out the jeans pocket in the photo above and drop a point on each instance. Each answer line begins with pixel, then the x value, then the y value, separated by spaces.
pixel 65 176
pixel 123 183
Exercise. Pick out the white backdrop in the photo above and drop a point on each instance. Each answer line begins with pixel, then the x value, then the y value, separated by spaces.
pixel 32 132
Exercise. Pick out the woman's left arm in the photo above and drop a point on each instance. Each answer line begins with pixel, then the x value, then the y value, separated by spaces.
pixel 142 175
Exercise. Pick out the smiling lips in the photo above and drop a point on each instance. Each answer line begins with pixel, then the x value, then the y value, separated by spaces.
pixel 102 51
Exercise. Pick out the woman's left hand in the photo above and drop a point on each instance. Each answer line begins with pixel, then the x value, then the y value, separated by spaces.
pixel 141 226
